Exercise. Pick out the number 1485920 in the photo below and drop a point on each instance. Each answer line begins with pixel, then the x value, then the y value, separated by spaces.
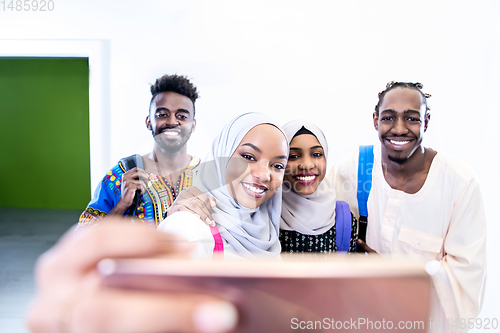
pixel 27 5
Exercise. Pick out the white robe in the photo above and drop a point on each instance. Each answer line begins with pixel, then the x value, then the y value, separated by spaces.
pixel 444 220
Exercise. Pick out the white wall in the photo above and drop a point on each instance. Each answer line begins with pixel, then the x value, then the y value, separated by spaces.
pixel 324 60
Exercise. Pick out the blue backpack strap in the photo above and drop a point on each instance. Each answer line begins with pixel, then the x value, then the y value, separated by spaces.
pixel 343 226
pixel 365 167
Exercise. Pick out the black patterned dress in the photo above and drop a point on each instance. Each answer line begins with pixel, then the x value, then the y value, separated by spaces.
pixel 295 242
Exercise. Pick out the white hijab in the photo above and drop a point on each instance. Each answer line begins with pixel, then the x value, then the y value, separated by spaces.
pixel 251 232
pixel 312 214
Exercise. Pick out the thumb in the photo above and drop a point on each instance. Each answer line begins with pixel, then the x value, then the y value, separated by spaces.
pixel 362 245
pixel 213 202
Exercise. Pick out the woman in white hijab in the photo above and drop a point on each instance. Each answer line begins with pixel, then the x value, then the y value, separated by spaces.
pixel 311 218
pixel 244 173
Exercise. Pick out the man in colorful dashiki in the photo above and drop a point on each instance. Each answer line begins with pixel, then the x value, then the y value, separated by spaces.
pixel 150 186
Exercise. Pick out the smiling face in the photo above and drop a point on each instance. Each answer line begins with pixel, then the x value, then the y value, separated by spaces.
pixel 171 121
pixel 306 167
pixel 401 123
pixel 256 168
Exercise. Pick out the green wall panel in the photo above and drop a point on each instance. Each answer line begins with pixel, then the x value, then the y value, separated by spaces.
pixel 44 104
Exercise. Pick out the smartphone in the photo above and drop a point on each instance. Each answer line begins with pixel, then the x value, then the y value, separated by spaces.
pixel 297 294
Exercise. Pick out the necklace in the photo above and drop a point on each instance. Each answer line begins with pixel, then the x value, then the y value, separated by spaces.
pixel 174 191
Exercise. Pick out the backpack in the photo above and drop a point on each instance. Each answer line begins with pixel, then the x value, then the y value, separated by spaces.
pixel 365 166
pixel 219 243
pixel 128 163
pixel 343 226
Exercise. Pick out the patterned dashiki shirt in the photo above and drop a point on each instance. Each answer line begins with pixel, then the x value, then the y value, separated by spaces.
pixel 153 204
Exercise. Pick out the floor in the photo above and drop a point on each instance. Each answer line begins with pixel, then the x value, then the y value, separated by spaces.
pixel 24 235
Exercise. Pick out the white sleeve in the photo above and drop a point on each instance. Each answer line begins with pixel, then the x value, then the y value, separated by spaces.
pixel 461 279
pixel 344 177
pixel 189 227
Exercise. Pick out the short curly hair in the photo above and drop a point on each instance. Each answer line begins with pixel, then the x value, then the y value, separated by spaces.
pixel 395 84
pixel 174 83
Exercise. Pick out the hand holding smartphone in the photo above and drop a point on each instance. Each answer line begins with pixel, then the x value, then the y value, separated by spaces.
pixel 360 293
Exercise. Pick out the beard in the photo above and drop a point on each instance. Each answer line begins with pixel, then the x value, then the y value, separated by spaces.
pixel 401 157
pixel 397 159
pixel 172 146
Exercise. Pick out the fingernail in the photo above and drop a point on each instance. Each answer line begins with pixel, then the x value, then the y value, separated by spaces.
pixel 209 222
pixel 218 316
